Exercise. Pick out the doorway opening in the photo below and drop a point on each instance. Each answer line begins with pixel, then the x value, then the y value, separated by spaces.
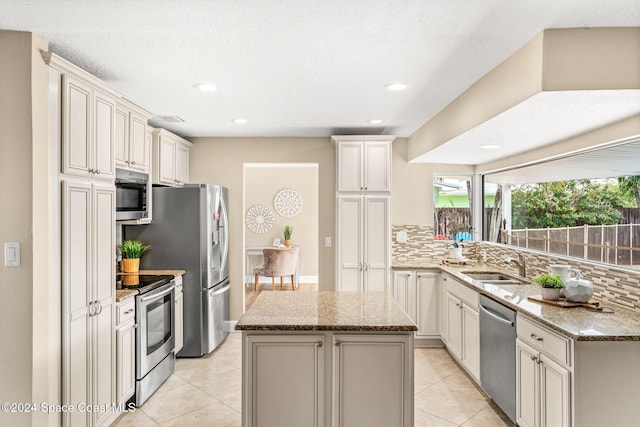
pixel 275 196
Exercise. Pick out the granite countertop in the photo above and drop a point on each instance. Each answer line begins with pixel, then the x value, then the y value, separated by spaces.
pixel 577 323
pixel 325 311
pixel 123 294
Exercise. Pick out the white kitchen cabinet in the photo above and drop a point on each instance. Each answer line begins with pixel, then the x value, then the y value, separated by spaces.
pixel 443 314
pixel 363 244
pixel 327 379
pixel 543 389
pixel 363 163
pixel 88 130
pixel 370 380
pixel 132 147
pixel 454 325
pixel 88 294
pixel 170 159
pixel 418 294
pixel 543 377
pixel 404 291
pixel 284 380
pixel 471 340
pixel 179 302
pixel 463 326
pixel 428 300
pixel 125 350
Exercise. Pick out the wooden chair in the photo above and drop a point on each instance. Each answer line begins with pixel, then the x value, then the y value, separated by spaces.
pixel 278 263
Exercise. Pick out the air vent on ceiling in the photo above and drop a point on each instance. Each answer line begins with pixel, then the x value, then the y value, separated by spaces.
pixel 169 119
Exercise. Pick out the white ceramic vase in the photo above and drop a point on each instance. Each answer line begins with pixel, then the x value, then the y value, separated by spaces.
pixel 578 289
pixel 455 253
pixel 551 294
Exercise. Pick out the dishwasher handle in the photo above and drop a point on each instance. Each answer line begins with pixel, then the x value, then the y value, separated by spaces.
pixel 495 316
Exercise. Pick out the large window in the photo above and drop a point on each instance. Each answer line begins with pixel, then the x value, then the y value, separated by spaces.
pixel 585 206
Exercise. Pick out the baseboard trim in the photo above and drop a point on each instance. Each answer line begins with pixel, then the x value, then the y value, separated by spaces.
pixel 267 280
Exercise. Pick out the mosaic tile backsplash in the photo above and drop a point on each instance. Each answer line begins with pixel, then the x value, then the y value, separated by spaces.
pixel 610 284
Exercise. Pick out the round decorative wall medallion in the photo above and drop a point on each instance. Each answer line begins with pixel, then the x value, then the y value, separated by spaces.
pixel 259 219
pixel 288 202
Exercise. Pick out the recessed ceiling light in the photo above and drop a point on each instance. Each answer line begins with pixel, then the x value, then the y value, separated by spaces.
pixel 489 146
pixel 375 121
pixel 205 87
pixel 396 87
pixel 239 121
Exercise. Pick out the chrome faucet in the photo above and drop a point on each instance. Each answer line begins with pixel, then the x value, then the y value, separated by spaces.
pixel 520 262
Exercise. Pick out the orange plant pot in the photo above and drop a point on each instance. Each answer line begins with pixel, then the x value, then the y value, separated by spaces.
pixel 287 243
pixel 130 265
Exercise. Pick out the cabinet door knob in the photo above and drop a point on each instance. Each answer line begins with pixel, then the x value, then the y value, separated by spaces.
pixel 319 343
pixel 133 162
pixel 337 343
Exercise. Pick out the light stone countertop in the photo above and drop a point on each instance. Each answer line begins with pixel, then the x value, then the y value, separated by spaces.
pixel 577 323
pixel 123 294
pixel 325 311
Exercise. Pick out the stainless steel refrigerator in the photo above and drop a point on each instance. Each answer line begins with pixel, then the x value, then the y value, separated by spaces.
pixel 190 232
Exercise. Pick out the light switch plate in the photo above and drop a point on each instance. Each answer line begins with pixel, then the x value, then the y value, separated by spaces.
pixel 11 254
pixel 327 242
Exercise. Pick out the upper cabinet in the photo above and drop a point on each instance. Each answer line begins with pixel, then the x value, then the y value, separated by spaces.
pixel 170 159
pixel 132 147
pixel 363 163
pixel 88 130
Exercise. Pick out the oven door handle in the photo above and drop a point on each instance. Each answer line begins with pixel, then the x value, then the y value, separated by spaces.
pixel 158 295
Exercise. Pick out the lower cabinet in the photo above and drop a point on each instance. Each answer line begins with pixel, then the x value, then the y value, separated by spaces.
pixel 418 293
pixel 463 326
pixel 125 350
pixel 179 313
pixel 327 379
pixel 542 389
pixel 543 377
pixel 428 296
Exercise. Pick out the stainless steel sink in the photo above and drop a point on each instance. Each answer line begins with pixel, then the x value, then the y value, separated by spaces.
pixel 493 278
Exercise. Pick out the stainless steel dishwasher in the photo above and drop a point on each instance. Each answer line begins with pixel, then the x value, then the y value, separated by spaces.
pixel 498 354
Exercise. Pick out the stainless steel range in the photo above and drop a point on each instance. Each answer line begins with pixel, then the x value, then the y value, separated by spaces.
pixel 155 333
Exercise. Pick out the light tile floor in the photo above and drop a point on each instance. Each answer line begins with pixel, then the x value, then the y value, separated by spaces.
pixel 207 392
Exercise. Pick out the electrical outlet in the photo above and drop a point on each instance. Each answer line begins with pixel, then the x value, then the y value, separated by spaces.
pixel 401 237
pixel 327 242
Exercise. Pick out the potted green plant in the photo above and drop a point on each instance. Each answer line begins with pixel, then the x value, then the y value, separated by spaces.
pixel 287 235
pixel 131 251
pixel 550 286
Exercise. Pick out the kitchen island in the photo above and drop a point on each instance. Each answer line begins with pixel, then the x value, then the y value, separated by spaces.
pixel 327 358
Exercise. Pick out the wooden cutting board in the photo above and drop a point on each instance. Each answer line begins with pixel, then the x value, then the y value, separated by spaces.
pixel 562 302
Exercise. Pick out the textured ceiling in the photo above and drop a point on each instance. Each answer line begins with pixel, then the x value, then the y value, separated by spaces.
pixel 297 67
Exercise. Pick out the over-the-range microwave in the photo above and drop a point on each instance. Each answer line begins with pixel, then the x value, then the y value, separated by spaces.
pixel 132 190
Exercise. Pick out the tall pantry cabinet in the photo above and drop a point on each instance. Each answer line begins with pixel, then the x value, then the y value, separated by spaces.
pixel 83 109
pixel 363 223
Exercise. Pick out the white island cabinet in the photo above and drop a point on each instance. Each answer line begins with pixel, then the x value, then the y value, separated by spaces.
pixel 326 365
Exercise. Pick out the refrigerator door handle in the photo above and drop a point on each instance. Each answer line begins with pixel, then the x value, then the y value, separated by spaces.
pixel 219 291
pixel 225 234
